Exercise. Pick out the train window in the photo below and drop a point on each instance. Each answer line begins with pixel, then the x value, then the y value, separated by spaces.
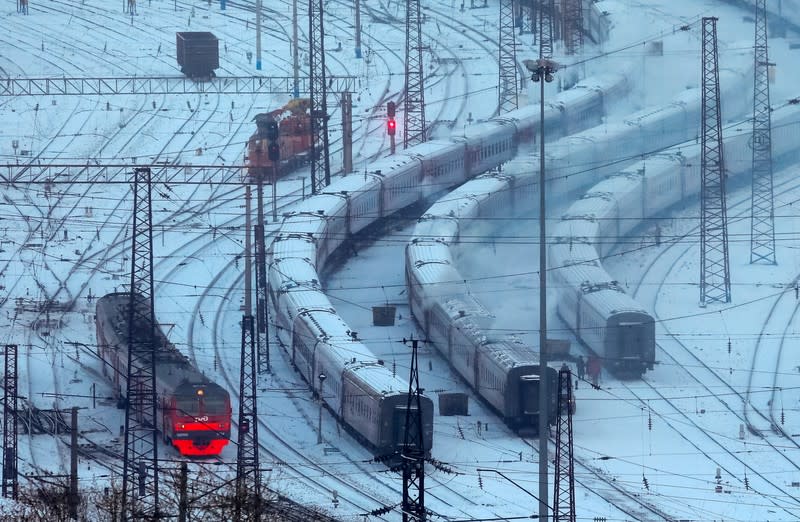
pixel 187 405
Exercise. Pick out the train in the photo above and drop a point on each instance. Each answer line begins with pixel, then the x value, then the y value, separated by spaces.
pixel 365 395
pixel 194 413
pixel 501 369
pixel 315 339
pixel 312 233
pixel 290 129
pixel 607 320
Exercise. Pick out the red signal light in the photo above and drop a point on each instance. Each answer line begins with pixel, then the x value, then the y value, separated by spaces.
pixel 391 127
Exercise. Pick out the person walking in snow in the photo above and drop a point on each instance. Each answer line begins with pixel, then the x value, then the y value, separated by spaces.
pixel 581 369
pixel 593 368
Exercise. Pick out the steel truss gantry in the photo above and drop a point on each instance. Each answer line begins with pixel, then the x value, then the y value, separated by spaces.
pixel 509 85
pixel 715 278
pixel 10 418
pixel 165 85
pixel 572 13
pixel 762 222
pixel 248 476
pixel 413 454
pixel 414 127
pixel 140 474
pixel 564 481
pixel 546 10
pixel 320 160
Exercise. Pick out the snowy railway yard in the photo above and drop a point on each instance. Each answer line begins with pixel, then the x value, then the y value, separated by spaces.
pixel 710 434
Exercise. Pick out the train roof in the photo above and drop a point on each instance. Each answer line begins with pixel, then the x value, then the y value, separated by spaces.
pixel 289 246
pixel 435 227
pixel 511 353
pixel 566 254
pixel 658 113
pixel 379 378
pixel 171 365
pixel 395 163
pixel 294 272
pixel 599 291
pixel 486 128
pixel 327 327
pixel 464 309
pixel 612 301
pixel 354 182
pixel 311 215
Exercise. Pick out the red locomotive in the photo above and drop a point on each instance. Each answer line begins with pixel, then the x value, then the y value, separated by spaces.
pixel 291 125
pixel 194 413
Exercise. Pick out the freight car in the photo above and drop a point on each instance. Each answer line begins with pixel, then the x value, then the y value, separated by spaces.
pixel 197 53
pixel 194 413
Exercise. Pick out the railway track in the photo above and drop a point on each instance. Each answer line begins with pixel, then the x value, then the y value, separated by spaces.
pixel 718 388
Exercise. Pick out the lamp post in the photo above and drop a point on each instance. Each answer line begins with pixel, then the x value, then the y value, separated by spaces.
pixel 322 377
pixel 542 69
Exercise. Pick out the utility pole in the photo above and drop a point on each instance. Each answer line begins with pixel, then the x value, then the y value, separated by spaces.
pixel 248 476
pixel 248 253
pixel 564 482
pixel 358 28
pixel 140 473
pixel 258 35
pixel 762 222
pixel 413 454
pixel 10 418
pixel 509 95
pixel 262 291
pixel 320 161
pixel 414 130
pixel 183 499
pixel 347 132
pixel 74 500
pixel 295 52
pixel 715 278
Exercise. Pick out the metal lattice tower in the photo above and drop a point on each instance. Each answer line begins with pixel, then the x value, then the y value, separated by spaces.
pixel 762 222
pixel 10 475
pixel 564 482
pixel 248 477
pixel 509 96
pixel 262 288
pixel 546 11
pixel 527 15
pixel 414 131
pixel 573 25
pixel 413 455
pixel 140 475
pixel 715 278
pixel 320 162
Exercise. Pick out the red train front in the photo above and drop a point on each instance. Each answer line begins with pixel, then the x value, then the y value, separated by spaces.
pixel 194 413
pixel 196 419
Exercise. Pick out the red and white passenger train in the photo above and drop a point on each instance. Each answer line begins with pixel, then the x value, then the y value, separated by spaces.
pixel 194 413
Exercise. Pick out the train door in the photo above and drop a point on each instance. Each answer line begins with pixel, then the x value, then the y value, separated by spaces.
pixel 399 423
pixel 529 395
pixel 630 342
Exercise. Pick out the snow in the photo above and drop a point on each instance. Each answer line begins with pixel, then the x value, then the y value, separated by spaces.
pixel 674 433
